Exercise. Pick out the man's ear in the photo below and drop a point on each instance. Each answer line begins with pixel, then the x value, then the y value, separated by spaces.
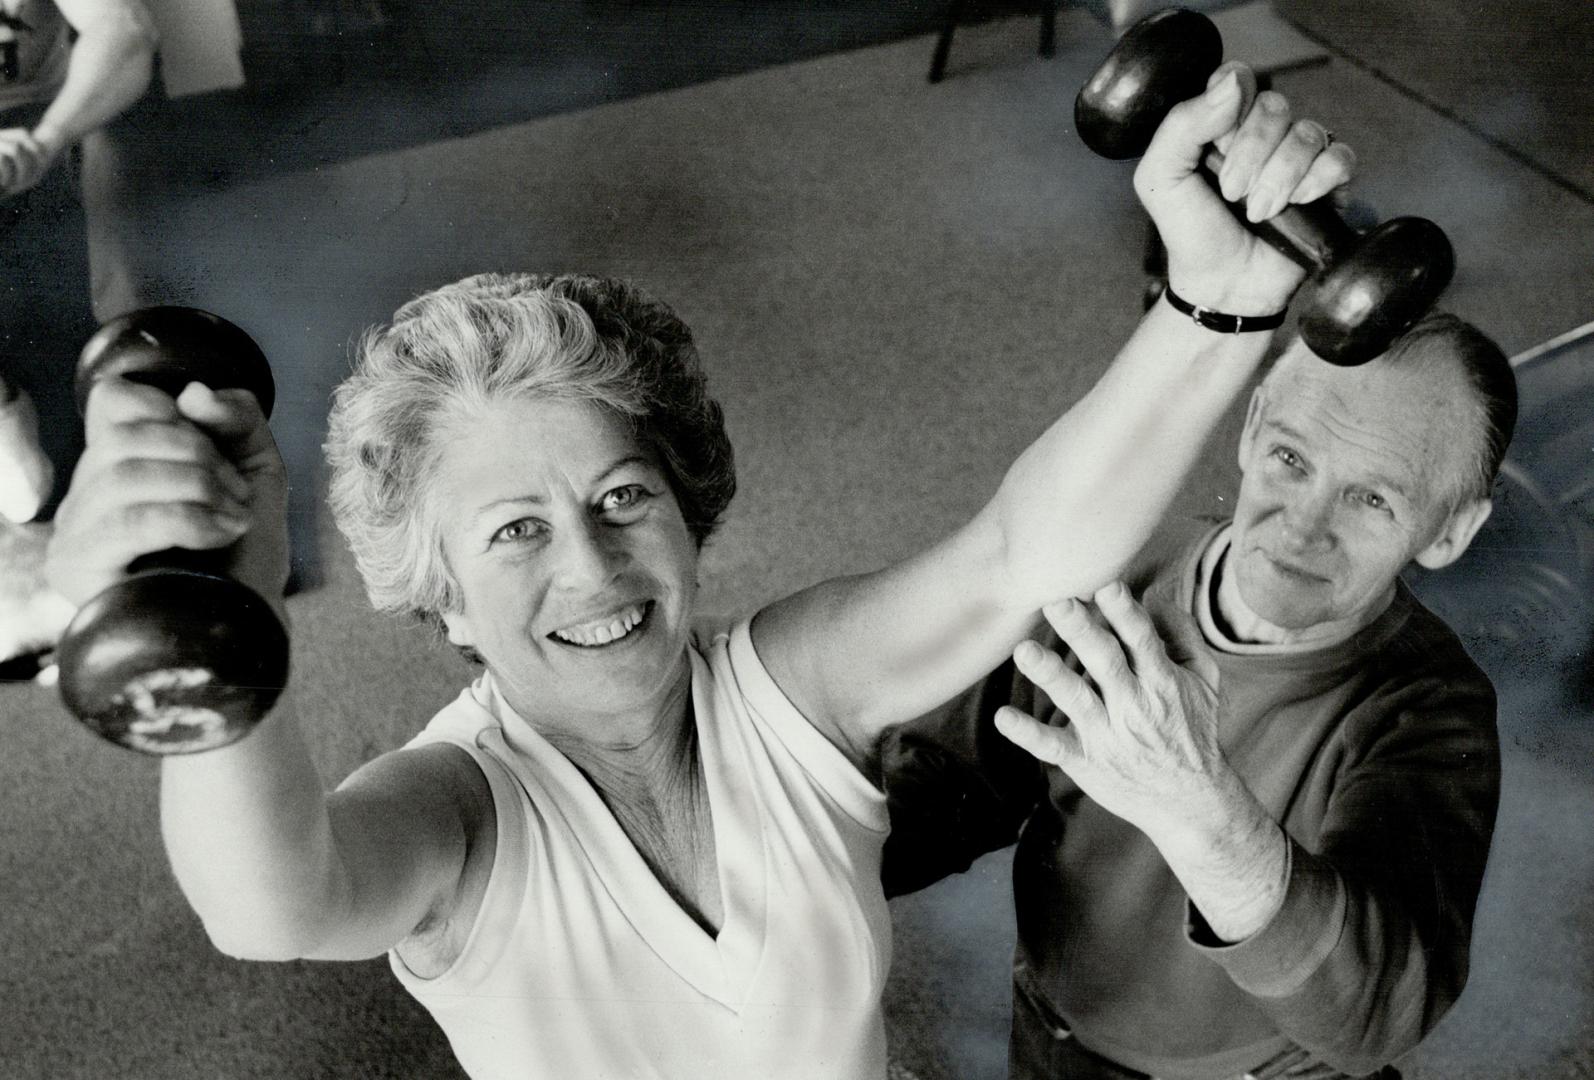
pixel 1253 425
pixel 1456 534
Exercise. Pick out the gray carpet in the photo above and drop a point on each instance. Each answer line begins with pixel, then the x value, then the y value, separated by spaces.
pixel 895 288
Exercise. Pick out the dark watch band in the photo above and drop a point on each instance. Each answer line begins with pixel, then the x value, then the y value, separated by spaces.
pixel 1217 320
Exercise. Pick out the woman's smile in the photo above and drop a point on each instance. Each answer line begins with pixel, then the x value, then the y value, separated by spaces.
pixel 626 624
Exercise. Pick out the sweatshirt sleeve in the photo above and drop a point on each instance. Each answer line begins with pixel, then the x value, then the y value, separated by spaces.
pixel 1370 946
pixel 955 788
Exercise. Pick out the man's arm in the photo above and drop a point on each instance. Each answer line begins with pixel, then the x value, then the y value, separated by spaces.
pixel 956 789
pixel 858 655
pixel 1370 945
pixel 1356 948
pixel 108 70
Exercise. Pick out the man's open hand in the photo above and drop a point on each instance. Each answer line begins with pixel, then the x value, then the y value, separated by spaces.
pixel 1141 737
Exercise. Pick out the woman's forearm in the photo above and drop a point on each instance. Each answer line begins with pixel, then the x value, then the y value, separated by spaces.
pixel 250 841
pixel 1104 474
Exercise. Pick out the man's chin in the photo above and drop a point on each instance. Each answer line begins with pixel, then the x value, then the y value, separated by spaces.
pixel 1282 606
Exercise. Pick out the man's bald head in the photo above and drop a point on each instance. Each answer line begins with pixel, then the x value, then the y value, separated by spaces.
pixel 1351 473
pixel 1446 352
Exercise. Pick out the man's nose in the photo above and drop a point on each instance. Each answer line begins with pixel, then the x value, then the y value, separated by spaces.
pixel 1308 522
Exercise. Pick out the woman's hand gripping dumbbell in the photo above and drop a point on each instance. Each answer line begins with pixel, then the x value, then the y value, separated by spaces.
pixel 180 644
pixel 1367 289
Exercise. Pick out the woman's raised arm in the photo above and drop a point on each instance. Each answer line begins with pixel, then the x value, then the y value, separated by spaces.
pixel 274 866
pixel 860 654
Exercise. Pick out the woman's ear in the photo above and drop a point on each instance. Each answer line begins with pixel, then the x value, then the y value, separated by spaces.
pixel 458 629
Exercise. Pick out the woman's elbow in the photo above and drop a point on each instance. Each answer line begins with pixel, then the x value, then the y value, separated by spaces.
pixel 261 938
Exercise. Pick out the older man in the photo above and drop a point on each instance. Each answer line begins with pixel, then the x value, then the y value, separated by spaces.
pixel 1256 815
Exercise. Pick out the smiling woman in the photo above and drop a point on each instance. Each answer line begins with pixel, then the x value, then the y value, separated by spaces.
pixel 640 843
pixel 492 338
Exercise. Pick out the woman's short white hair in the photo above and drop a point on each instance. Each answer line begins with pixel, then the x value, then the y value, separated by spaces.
pixel 493 337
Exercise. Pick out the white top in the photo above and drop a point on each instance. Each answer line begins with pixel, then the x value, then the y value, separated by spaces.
pixel 581 965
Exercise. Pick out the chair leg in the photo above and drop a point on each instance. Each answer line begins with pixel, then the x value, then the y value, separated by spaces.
pixel 943 44
pixel 1048 28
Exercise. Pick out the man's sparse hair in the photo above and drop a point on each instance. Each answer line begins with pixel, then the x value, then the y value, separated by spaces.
pixel 1442 341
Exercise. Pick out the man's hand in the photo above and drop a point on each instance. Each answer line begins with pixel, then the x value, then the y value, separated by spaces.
pixel 1141 740
pixel 200 471
pixel 1270 161
pixel 24 159
pixel 1142 733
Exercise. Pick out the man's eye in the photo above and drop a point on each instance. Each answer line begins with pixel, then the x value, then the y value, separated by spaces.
pixel 1287 457
pixel 1372 500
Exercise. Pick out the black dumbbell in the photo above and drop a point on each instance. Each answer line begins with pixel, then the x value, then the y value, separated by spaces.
pixel 1366 289
pixel 179 657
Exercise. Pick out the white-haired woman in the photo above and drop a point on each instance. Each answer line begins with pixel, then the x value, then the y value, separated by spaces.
pixel 638 844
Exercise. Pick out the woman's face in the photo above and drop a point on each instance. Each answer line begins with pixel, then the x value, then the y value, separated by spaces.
pixel 576 568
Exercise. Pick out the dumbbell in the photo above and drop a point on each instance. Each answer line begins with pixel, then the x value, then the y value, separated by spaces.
pixel 1366 289
pixel 178 657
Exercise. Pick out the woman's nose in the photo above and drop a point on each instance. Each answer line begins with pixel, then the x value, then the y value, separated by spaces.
pixel 588 557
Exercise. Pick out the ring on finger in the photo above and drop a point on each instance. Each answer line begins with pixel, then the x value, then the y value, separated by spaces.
pixel 1305 128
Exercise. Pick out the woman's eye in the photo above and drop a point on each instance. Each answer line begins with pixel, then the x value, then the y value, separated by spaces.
pixel 523 529
pixel 624 498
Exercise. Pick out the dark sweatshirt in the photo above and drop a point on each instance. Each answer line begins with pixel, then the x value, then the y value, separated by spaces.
pixel 1379 757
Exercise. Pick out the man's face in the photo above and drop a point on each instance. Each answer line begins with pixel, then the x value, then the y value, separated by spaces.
pixel 1349 474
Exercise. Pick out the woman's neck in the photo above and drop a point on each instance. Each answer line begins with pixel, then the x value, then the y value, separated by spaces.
pixel 648 772
pixel 655 753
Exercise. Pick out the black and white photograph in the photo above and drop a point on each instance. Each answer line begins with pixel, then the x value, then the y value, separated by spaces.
pixel 796 540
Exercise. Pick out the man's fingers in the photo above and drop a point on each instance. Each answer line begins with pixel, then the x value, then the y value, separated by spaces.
pixel 1068 689
pixel 1053 745
pixel 1157 645
pixel 1094 644
pixel 1283 172
pixel 1133 628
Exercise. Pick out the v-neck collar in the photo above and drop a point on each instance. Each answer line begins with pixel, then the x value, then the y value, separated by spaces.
pixel 721 966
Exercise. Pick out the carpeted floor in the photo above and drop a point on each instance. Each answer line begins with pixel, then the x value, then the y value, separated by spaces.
pixel 895 287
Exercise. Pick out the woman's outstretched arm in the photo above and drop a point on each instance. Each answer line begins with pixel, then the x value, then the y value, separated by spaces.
pixel 860 654
pixel 275 866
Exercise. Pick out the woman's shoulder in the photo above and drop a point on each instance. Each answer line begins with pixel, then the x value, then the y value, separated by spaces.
pixel 463 719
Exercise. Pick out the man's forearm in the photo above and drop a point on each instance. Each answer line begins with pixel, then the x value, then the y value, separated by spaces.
pixel 1233 861
pixel 109 69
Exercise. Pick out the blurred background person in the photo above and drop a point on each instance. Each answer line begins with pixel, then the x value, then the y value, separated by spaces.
pixel 67 68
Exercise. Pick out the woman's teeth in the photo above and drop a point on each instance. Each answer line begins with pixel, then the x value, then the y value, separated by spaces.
pixel 604 631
